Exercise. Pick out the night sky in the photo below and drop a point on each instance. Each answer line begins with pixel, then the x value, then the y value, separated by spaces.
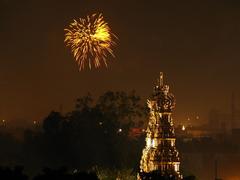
pixel 195 43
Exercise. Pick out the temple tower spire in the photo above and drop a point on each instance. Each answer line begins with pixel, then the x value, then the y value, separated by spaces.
pixel 161 79
pixel 160 158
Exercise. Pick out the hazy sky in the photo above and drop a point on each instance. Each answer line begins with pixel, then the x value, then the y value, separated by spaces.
pixel 196 43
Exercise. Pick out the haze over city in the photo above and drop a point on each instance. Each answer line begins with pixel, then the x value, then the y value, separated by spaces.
pixel 194 43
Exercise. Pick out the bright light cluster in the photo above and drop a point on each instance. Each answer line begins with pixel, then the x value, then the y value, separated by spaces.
pixel 91 41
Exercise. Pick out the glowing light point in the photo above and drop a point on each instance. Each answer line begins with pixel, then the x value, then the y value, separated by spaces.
pixel 183 128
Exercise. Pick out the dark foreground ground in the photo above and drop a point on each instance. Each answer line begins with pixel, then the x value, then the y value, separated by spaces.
pixel 17 173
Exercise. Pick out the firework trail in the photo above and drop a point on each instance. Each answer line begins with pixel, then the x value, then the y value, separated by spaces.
pixel 91 41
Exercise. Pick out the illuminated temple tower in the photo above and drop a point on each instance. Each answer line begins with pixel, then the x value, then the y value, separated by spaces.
pixel 160 157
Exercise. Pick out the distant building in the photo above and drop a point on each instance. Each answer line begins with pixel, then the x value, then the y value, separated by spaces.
pixel 220 122
pixel 192 131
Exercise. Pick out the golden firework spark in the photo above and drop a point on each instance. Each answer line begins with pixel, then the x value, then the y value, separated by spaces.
pixel 91 41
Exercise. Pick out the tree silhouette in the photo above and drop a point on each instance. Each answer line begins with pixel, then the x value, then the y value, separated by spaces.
pixel 95 133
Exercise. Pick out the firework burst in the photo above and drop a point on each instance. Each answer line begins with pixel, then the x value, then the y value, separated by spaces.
pixel 91 41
